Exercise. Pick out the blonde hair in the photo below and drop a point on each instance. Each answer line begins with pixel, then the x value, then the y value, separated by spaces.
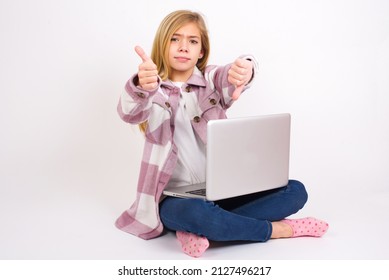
pixel 160 51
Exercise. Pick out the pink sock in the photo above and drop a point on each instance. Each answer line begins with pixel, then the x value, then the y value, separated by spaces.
pixel 307 227
pixel 192 244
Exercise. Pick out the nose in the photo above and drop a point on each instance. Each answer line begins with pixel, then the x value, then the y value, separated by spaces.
pixel 183 46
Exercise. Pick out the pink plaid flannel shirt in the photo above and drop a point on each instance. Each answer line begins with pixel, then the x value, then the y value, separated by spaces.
pixel 158 107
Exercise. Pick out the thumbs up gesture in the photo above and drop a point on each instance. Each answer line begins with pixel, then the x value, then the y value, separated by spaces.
pixel 240 74
pixel 147 71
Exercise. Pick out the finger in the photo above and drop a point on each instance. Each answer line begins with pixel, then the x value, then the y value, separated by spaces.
pixel 240 64
pixel 150 86
pixel 148 80
pixel 235 78
pixel 238 90
pixel 142 54
pixel 242 68
pixel 149 67
pixel 153 85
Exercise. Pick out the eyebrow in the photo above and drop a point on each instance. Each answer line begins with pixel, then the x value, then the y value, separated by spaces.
pixel 190 36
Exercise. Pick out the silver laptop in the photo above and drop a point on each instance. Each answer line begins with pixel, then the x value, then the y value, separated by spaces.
pixel 244 155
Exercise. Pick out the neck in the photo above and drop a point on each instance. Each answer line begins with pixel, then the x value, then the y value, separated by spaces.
pixel 177 76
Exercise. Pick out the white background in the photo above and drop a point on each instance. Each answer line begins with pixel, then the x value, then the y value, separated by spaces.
pixel 69 165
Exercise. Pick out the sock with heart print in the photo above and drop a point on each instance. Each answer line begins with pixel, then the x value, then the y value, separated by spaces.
pixel 192 244
pixel 307 227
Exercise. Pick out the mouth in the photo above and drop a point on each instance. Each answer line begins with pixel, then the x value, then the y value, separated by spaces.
pixel 181 58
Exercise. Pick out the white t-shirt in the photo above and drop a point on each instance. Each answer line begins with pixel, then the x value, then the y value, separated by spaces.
pixel 190 168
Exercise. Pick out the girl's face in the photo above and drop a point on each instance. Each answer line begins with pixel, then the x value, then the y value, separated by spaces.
pixel 184 52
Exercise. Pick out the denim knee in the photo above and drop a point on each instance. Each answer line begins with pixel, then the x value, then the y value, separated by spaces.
pixel 299 191
pixel 185 214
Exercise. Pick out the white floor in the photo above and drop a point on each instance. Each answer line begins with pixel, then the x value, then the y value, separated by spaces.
pixel 42 218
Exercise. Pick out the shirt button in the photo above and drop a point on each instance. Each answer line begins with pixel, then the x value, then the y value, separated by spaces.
pixel 188 89
pixel 196 119
pixel 141 94
pixel 167 104
pixel 212 101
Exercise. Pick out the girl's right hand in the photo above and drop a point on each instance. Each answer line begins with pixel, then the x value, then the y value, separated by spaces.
pixel 147 71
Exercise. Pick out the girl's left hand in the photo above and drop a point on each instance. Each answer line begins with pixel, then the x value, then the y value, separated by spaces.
pixel 240 74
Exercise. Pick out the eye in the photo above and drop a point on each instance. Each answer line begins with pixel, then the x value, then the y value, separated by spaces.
pixel 174 39
pixel 194 42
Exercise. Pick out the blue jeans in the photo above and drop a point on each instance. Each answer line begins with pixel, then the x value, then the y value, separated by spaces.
pixel 246 218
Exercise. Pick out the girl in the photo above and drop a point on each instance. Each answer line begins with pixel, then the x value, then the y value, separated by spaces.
pixel 172 97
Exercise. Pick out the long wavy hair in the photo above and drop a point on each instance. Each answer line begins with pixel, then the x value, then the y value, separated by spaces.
pixel 160 51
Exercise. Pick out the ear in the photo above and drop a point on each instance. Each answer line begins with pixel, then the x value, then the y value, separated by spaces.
pixel 201 54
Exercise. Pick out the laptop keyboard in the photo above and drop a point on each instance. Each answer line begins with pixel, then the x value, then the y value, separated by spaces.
pixel 198 192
